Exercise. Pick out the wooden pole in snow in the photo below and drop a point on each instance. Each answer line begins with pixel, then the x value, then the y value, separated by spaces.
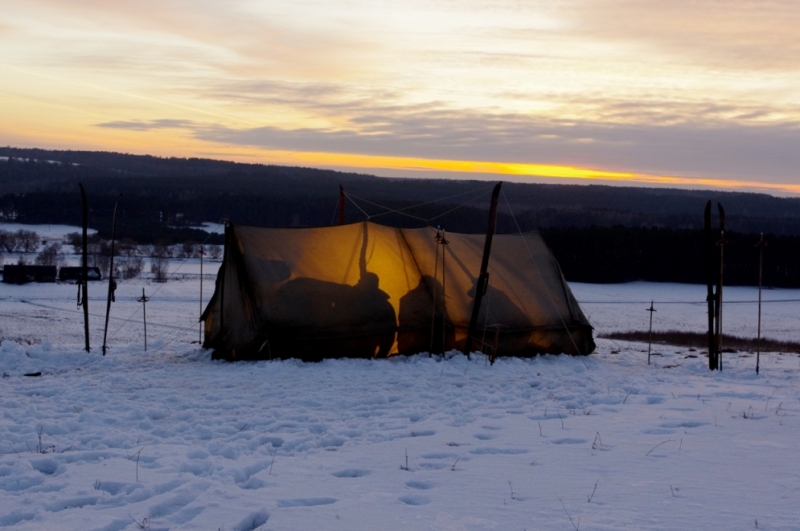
pixel 200 333
pixel 721 243
pixel 144 300
pixel 650 333
pixel 710 297
pixel 84 287
pixel 761 244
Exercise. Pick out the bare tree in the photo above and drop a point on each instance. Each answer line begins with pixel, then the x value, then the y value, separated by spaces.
pixel 159 266
pixel 215 251
pixel 8 241
pixel 190 249
pixel 27 241
pixel 51 255
pixel 129 262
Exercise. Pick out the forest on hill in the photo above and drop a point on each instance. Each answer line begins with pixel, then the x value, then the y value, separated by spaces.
pixel 598 233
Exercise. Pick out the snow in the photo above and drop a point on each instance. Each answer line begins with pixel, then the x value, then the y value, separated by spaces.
pixel 168 439
pixel 45 231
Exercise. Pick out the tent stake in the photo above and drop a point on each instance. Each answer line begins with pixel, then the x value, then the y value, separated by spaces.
pixel 84 282
pixel 144 300
pixel 483 277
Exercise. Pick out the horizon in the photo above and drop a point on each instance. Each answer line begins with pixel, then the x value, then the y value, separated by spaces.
pixel 646 94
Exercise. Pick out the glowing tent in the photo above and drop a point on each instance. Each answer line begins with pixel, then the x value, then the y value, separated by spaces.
pixel 366 290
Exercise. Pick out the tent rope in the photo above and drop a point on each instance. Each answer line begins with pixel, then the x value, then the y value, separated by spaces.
pixel 356 204
pixel 483 192
pixel 388 210
pixel 136 311
pixel 459 206
pixel 536 267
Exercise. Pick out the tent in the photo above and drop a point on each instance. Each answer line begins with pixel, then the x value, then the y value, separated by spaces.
pixel 367 290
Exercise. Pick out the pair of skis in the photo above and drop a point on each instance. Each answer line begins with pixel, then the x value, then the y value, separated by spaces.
pixel 83 288
pixel 714 277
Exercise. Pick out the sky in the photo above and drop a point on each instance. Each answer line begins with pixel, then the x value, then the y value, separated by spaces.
pixel 673 93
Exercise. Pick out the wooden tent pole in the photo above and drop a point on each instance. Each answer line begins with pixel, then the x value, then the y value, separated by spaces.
pixel 341 204
pixel 483 277
pixel 200 333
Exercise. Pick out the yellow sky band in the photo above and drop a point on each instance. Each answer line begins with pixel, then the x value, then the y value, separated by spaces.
pixel 530 170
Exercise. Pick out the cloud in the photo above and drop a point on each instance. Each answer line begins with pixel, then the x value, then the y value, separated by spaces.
pixel 723 34
pixel 650 86
pixel 720 150
pixel 149 125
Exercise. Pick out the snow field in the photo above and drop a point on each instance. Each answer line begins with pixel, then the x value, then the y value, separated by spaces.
pixel 168 439
pixel 186 443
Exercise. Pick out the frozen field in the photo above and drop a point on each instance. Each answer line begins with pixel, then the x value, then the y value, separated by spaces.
pixel 167 439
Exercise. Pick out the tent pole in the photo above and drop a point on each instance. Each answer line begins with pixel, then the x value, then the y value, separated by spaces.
pixel 341 204
pixel 483 277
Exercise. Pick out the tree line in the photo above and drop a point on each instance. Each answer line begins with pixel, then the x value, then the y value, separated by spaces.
pixel 597 233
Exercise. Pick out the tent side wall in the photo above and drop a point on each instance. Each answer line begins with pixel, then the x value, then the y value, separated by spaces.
pixel 230 324
pixel 527 304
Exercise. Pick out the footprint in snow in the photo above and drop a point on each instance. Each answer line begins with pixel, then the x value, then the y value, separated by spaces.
pixel 420 485
pixel 306 502
pixel 498 451
pixel 415 500
pixel 351 473
pixel 253 521
pixel 570 440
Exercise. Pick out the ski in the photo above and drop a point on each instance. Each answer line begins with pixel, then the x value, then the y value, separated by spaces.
pixel 721 243
pixel 712 344
pixel 112 284
pixel 83 283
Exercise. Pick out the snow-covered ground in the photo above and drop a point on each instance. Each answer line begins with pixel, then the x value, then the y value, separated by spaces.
pixel 168 439
pixel 46 232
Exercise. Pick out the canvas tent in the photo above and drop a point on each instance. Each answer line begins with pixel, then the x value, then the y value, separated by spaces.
pixel 367 290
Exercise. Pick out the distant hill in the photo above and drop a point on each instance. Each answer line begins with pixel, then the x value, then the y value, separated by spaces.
pixel 598 233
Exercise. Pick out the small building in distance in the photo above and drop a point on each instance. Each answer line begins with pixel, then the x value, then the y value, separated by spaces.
pixel 66 274
pixel 22 274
